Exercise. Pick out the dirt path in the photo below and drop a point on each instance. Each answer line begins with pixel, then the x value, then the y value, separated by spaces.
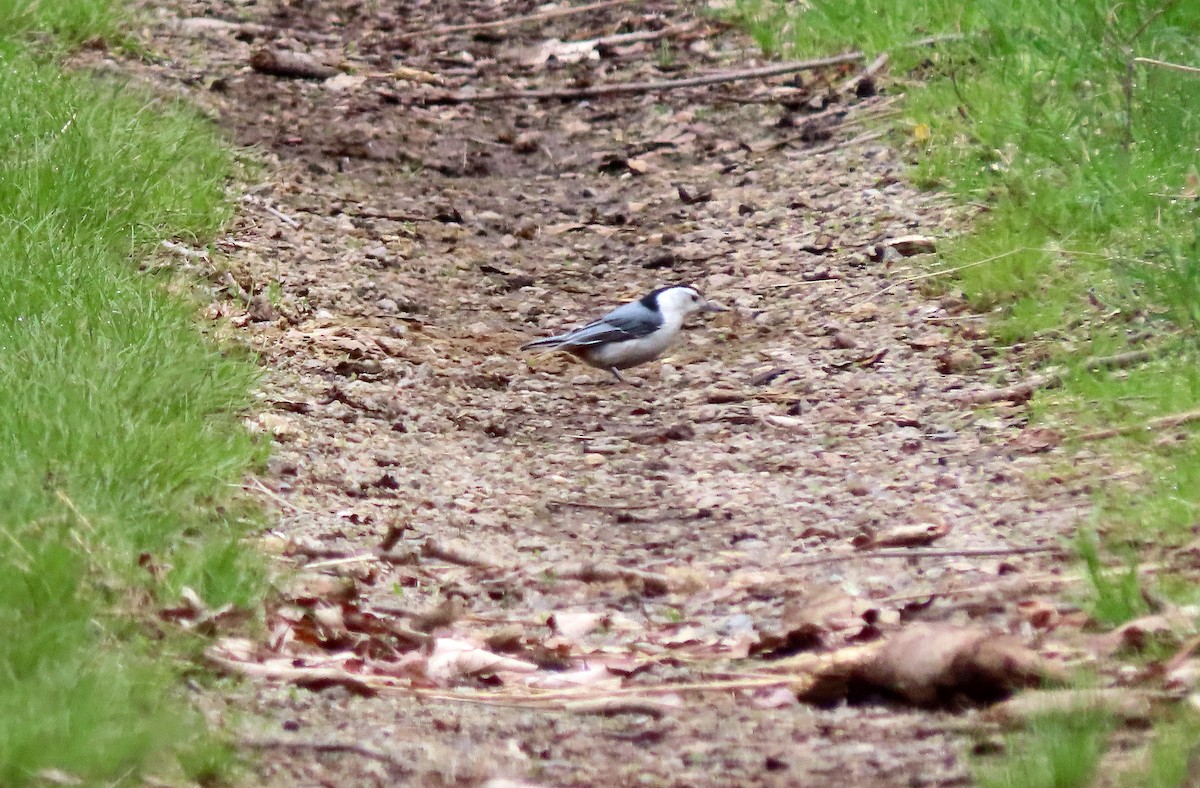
pixel 395 257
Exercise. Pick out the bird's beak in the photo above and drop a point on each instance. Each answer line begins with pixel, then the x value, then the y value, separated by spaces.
pixel 712 306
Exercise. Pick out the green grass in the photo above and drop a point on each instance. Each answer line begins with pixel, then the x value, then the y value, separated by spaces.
pixel 1053 751
pixel 70 21
pixel 119 421
pixel 1086 162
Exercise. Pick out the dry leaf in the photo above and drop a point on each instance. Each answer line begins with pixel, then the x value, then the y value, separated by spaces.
pixel 453 659
pixel 1126 704
pixel 918 535
pixel 936 664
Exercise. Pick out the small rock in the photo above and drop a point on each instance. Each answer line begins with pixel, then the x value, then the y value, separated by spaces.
pixel 863 311
pixel 843 341
pixel 262 310
pixel 958 361
pixel 909 245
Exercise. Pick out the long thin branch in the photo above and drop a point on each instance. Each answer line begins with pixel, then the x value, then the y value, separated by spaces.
pixel 556 13
pixel 977 553
pixel 1164 64
pixel 942 272
pixel 1160 423
pixel 622 88
pixel 352 748
pixel 1023 391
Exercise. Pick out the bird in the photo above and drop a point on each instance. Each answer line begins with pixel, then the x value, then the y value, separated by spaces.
pixel 633 333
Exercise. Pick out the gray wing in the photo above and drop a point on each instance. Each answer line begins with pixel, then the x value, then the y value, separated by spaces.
pixel 631 321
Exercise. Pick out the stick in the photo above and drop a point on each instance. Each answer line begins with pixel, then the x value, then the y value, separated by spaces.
pixel 323 746
pixel 1160 423
pixel 512 20
pixel 850 85
pixel 942 272
pixel 991 551
pixel 860 139
pixel 1164 64
pixel 622 88
pixel 604 506
pixel 611 707
pixel 1023 391
pixel 588 572
pixel 434 549
pixel 869 107
pixel 274 496
pixel 1119 361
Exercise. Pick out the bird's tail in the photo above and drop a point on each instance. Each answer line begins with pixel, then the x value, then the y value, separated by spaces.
pixel 548 343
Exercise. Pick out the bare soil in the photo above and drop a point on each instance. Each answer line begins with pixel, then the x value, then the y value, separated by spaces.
pixel 397 252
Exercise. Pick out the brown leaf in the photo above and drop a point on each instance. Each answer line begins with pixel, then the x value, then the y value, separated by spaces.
pixel 1137 634
pixel 936 664
pixel 285 63
pixel 958 361
pixel 909 245
pixel 453 659
pixel 1128 705
pixel 574 625
pixel 928 341
pixel 918 535
pixel 1036 440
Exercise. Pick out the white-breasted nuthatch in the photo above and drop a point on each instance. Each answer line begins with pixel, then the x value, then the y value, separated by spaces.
pixel 631 334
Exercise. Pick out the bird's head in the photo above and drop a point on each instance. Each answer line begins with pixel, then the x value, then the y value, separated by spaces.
pixel 680 300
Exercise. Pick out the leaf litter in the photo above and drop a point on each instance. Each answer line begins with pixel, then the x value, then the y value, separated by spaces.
pixel 529 574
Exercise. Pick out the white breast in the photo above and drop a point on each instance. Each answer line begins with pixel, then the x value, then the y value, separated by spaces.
pixel 631 352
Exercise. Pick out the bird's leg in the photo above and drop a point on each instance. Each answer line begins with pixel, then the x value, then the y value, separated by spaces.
pixel 621 379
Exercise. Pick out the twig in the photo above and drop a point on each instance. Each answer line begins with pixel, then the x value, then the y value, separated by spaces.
pixel 860 139
pixel 588 572
pixel 851 84
pixel 622 39
pixel 336 556
pixel 1119 361
pixel 611 707
pixel 1160 423
pixel 184 251
pixel 604 506
pixel 512 20
pixel 274 496
pixel 1164 64
pixel 325 746
pixel 434 549
pixel 975 553
pixel 1023 391
pixel 865 108
pixel 942 272
pixel 253 199
pixel 83 520
pixel 623 88
pixel 360 684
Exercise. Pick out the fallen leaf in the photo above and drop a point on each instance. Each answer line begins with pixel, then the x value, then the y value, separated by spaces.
pixel 936 664
pixel 574 625
pixel 1127 704
pixel 918 535
pixel 453 659
pixel 1036 440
